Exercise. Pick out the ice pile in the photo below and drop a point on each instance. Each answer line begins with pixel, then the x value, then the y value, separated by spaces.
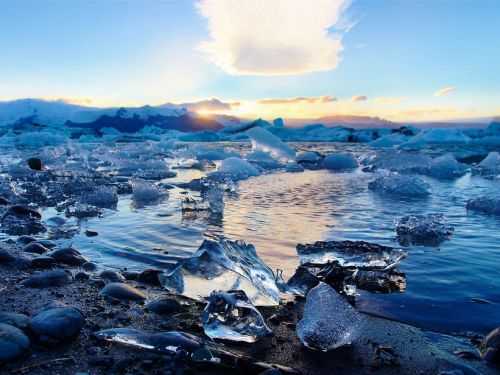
pixel 82 210
pixel 144 192
pixel 347 265
pixel 102 196
pixel 329 321
pixel 430 229
pixel 489 167
pixel 164 342
pixel 400 186
pixel 231 316
pixel 437 137
pixel 446 167
pixel 263 140
pixel 488 205
pixel 237 169
pixel 340 162
pixel 224 265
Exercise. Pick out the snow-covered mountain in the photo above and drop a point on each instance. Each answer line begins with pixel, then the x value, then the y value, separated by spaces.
pixel 124 119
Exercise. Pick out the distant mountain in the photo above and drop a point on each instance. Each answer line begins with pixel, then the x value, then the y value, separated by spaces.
pixel 345 121
pixel 185 123
pixel 125 119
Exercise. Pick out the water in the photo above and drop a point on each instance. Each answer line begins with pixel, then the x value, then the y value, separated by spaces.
pixel 277 211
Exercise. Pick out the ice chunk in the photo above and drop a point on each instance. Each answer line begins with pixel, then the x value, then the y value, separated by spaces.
pixel 231 316
pixel 446 167
pixel 340 162
pixel 102 196
pixel 429 229
pixel 263 140
pixel 400 185
pixel 308 157
pixel 329 321
pixel 264 160
pixel 224 265
pixel 350 254
pixel 488 205
pixel 164 342
pixel 438 136
pixel 490 166
pixel 82 210
pixel 145 192
pixel 390 140
pixel 346 265
pixel 399 161
pixel 237 168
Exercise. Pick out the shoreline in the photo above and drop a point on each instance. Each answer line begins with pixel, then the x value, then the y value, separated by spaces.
pixel 385 347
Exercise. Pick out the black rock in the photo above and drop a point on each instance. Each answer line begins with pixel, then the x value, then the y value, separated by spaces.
pixel 69 256
pixel 122 292
pixel 150 276
pixel 91 233
pixel 48 279
pixel 13 343
pixel 130 275
pixel 82 276
pixel 43 262
pixel 35 164
pixel 20 321
pixel 6 257
pixel 164 306
pixel 58 324
pixel 89 266
pixel 111 276
pixel 490 347
pixel 25 239
pixel 23 211
pixel 35 248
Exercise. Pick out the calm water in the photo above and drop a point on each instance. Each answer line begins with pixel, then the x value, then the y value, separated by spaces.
pixel 277 211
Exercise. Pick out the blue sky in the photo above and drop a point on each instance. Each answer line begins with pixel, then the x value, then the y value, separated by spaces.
pixel 412 60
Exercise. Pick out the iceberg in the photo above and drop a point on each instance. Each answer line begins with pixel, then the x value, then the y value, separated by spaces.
pixel 223 265
pixel 446 167
pixel 145 192
pixel 263 140
pixel 329 321
pixel 231 316
pixel 489 167
pixel 439 136
pixel 488 205
pixel 397 185
pixel 237 169
pixel 429 229
pixel 102 197
pixel 399 161
pixel 340 162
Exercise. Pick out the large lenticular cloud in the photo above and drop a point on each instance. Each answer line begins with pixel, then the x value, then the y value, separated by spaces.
pixel 273 37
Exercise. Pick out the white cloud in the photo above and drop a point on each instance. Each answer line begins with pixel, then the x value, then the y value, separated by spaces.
pixel 445 91
pixel 273 37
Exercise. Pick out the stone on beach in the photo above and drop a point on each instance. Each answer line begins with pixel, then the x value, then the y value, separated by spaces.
pixel 58 324
pixel 13 343
pixel 122 292
pixel 47 279
pixel 69 256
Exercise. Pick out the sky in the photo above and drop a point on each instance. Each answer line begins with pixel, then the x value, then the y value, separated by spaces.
pixel 402 60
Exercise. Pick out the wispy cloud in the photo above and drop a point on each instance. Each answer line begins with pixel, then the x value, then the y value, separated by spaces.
pixel 359 98
pixel 445 91
pixel 302 99
pixel 273 37
pixel 210 105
